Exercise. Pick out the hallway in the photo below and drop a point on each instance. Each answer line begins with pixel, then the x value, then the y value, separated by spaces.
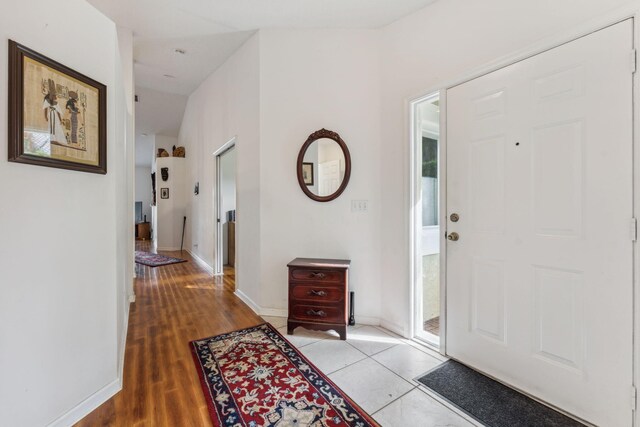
pixel 174 305
pixel 178 303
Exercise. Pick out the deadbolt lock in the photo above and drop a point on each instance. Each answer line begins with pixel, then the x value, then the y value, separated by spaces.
pixel 454 217
pixel 453 236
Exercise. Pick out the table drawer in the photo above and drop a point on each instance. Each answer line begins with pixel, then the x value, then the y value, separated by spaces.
pixel 320 275
pixel 317 313
pixel 319 293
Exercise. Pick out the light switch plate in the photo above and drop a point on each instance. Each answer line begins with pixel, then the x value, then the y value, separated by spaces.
pixel 359 205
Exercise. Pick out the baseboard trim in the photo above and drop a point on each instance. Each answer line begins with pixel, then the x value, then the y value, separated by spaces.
pixel 88 405
pixel 168 249
pixel 395 328
pixel 260 311
pixel 245 299
pixel 367 320
pixel 201 262
pixel 275 312
pixel 123 340
pixel 132 298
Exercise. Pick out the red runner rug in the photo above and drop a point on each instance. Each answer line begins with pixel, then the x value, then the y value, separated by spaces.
pixel 253 377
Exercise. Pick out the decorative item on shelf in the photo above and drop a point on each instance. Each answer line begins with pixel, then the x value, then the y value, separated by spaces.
pixel 178 152
pixel 162 152
pixel 196 189
pixel 164 193
pixel 57 116
pixel 165 173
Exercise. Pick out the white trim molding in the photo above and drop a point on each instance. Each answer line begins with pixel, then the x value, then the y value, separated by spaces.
pixel 202 263
pixel 396 328
pixel 245 299
pixel 88 405
pixel 260 311
pixel 368 320
pixel 275 312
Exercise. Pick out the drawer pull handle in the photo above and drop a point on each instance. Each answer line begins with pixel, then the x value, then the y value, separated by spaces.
pixel 315 275
pixel 318 313
pixel 317 293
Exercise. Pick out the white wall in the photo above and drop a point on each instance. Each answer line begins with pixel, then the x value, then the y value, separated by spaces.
pixel 61 286
pixel 171 211
pixel 144 193
pixel 276 221
pixel 226 105
pixel 145 150
pixel 272 99
pixel 124 171
pixel 228 193
pixel 421 52
pixel 311 80
pixel 158 112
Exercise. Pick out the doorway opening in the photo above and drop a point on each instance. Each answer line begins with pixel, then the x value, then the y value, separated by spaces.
pixel 425 218
pixel 225 210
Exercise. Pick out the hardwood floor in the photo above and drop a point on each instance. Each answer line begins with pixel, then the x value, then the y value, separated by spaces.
pixel 174 305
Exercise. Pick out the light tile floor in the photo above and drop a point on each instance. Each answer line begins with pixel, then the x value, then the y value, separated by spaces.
pixel 377 368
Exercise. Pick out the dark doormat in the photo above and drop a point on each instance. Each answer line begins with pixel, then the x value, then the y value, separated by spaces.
pixel 489 401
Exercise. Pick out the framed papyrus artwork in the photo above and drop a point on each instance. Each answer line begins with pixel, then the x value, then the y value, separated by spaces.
pixel 57 116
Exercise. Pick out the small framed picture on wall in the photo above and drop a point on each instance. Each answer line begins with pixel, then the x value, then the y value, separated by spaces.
pixel 307 173
pixel 164 193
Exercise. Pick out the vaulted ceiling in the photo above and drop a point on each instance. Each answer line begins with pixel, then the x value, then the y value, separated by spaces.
pixel 209 31
pixel 178 43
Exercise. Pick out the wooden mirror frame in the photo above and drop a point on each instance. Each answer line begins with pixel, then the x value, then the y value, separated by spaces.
pixel 324 133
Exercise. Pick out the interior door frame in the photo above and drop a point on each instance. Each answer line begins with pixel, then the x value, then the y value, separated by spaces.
pixel 630 11
pixel 218 268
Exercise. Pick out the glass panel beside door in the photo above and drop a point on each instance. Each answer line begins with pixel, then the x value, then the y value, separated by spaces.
pixel 426 224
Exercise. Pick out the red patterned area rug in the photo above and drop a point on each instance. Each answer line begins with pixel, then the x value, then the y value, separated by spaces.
pixel 254 378
pixel 155 260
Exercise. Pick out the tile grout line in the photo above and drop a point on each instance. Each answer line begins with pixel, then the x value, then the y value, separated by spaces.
pixel 413 386
pixel 394 373
pixel 346 366
pixel 397 398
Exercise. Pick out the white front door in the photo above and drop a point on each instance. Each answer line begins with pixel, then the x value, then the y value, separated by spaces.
pixel 539 170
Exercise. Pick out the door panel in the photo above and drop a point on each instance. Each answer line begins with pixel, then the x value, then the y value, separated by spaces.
pixel 557 178
pixel 539 285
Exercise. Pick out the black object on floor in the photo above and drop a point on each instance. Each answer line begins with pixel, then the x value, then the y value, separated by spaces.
pixel 489 401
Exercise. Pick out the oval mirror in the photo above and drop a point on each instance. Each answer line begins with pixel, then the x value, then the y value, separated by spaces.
pixel 324 166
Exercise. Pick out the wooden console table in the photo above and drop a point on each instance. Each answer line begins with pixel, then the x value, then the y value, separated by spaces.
pixel 318 294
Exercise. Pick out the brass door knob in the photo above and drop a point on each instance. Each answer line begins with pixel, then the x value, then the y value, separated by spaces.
pixel 453 236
